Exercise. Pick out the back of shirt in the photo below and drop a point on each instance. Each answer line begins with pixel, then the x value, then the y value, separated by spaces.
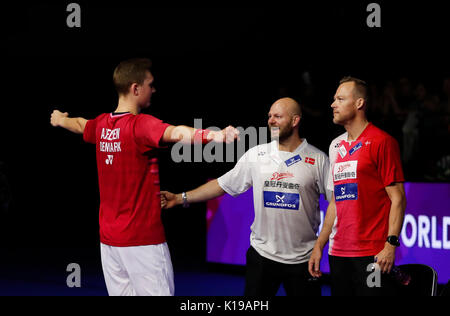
pixel 130 205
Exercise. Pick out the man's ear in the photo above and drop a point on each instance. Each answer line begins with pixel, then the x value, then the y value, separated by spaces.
pixel 360 103
pixel 134 89
pixel 296 120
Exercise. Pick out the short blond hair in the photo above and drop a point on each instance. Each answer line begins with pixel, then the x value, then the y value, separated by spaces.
pixel 361 86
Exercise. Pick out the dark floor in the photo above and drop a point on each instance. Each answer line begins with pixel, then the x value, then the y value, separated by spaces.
pixel 36 272
pixel 43 272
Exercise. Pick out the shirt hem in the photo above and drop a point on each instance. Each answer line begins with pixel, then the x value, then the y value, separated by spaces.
pixel 133 243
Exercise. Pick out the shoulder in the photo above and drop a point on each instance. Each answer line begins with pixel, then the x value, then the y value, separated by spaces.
pixel 95 121
pixel 380 137
pixel 146 117
pixel 257 152
pixel 100 117
pixel 335 142
pixel 314 151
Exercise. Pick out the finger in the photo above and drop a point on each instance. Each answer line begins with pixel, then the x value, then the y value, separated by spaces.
pixel 389 267
pixel 310 267
pixel 382 264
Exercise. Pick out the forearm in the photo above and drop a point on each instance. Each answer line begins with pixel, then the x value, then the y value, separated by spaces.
pixel 75 124
pixel 188 135
pixel 327 226
pixel 183 134
pixel 397 211
pixel 396 216
pixel 203 193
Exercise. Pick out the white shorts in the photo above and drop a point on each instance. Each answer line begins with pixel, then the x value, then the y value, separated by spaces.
pixel 141 270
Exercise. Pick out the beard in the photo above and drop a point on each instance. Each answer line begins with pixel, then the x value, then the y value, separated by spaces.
pixel 281 133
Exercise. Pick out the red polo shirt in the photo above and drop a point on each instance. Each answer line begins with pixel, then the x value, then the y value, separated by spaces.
pixel 130 205
pixel 361 171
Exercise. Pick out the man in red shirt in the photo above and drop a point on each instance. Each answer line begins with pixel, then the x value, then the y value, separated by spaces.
pixel 135 256
pixel 365 217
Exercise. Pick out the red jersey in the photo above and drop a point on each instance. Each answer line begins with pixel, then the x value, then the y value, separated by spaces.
pixel 361 170
pixel 130 205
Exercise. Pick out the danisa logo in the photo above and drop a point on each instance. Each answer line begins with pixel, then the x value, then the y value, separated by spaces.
pixel 345 170
pixel 281 200
pixel 283 175
pixel 348 191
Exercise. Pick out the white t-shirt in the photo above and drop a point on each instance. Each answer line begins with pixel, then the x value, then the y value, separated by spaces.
pixel 286 191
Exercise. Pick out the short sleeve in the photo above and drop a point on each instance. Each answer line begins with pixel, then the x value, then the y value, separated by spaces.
pixel 89 131
pixel 239 179
pixel 323 176
pixel 389 164
pixel 148 131
pixel 332 160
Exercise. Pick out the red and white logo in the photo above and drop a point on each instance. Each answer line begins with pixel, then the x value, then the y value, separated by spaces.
pixel 342 166
pixel 345 170
pixel 311 161
pixel 284 175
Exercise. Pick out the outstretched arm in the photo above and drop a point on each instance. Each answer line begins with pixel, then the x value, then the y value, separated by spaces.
pixel 189 135
pixel 75 125
pixel 203 193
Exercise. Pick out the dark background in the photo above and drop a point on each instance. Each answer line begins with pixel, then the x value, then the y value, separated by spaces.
pixel 225 65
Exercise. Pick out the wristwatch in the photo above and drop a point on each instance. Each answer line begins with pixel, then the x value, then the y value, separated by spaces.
pixel 184 198
pixel 393 240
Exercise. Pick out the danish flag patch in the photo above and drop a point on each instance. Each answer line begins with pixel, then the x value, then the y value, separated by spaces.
pixel 311 161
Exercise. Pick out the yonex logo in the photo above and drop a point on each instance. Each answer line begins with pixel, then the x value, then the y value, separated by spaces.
pixel 109 160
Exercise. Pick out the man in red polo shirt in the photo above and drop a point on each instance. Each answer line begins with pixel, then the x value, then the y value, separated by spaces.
pixel 135 256
pixel 365 218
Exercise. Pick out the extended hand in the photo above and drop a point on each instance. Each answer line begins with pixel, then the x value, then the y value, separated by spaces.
pixel 57 117
pixel 227 135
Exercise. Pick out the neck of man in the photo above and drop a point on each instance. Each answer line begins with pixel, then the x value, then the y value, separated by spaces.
pixel 127 105
pixel 355 127
pixel 290 143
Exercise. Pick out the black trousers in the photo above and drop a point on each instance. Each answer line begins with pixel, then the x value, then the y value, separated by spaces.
pixel 350 277
pixel 264 277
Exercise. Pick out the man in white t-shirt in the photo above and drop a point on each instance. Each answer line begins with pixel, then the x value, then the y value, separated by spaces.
pixel 288 175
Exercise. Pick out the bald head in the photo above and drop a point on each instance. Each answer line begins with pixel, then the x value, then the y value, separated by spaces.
pixel 289 105
pixel 284 115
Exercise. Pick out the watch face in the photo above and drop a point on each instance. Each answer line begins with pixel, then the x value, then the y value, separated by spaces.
pixel 393 240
